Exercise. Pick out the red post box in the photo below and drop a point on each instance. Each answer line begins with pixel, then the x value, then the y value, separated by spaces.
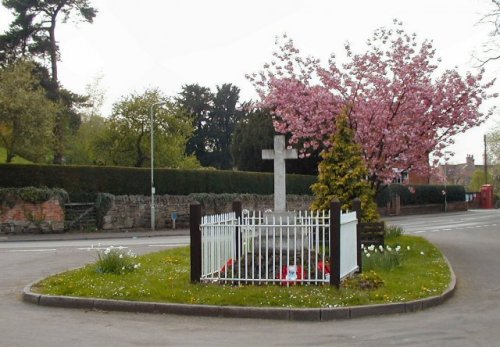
pixel 486 196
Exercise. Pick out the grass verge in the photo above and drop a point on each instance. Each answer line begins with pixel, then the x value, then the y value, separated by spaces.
pixel 164 277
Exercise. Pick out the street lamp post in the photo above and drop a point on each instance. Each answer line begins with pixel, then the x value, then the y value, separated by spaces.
pixel 446 158
pixel 153 217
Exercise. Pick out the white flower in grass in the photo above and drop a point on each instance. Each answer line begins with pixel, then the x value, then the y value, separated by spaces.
pixel 389 248
pixel 138 265
pixel 408 248
pixel 371 248
pixel 398 248
pixel 368 255
pixel 362 246
pixel 121 256
pixel 381 248
pixel 422 253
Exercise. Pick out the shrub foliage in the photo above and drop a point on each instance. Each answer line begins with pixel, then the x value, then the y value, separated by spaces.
pixel 34 195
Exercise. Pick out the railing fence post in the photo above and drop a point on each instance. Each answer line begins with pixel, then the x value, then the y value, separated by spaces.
pixel 335 212
pixel 195 235
pixel 356 206
pixel 237 239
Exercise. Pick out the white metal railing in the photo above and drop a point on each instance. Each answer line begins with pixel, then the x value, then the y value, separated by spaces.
pixel 348 244
pixel 286 248
pixel 217 247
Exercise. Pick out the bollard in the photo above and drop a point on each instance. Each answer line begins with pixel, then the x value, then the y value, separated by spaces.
pixel 335 243
pixel 195 235
pixel 237 238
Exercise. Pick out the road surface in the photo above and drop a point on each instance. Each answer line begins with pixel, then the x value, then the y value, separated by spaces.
pixel 470 240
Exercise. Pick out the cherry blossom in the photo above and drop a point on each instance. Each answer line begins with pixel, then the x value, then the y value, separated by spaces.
pixel 402 110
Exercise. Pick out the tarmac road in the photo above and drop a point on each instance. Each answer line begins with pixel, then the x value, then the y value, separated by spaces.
pixel 471 241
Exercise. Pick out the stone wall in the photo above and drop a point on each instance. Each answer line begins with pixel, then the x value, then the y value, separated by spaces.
pixel 25 217
pixel 134 211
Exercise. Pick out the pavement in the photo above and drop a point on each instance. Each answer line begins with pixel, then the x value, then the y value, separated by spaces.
pixel 98 235
pixel 293 314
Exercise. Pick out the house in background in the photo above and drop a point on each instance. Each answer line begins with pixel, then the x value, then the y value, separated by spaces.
pixel 408 178
pixel 457 174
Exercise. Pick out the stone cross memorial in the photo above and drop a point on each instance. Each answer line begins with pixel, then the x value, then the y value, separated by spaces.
pixel 279 154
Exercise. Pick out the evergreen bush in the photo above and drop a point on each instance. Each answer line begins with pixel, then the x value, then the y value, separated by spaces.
pixel 342 173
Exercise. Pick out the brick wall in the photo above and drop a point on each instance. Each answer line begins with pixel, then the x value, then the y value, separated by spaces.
pixel 25 217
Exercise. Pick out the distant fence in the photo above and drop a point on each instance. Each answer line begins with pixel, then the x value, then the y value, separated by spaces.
pixel 281 248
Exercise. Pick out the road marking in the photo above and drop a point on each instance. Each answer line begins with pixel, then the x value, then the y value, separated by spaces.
pixel 457 228
pixel 92 248
pixel 31 250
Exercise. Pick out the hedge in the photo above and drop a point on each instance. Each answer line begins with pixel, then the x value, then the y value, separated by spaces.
pixel 423 194
pixel 84 182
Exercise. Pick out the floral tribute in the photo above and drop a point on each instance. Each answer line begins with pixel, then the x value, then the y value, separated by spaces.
pixel 401 108
pixel 291 274
pixel 287 276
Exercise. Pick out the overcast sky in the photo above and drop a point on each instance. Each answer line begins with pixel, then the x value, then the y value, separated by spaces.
pixel 136 45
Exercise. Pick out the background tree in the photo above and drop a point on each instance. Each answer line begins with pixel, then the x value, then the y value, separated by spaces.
pixel 215 116
pixel 491 48
pixel 493 145
pixel 401 110
pixel 86 145
pixel 127 139
pixel 26 115
pixel 82 141
pixel 33 33
pixel 254 133
pixel 342 173
pixel 197 101
pixel 224 117
pixel 477 180
pixel 251 136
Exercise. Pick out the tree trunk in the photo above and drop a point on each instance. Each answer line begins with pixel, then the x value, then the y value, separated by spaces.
pixel 10 156
pixel 140 155
pixel 59 124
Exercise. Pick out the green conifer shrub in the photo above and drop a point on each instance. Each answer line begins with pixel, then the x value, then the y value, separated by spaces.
pixel 343 173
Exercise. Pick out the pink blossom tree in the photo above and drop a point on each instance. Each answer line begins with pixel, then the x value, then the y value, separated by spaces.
pixel 401 109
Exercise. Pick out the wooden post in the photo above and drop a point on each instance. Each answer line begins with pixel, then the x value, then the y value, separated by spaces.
pixel 356 206
pixel 335 243
pixel 195 234
pixel 237 239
